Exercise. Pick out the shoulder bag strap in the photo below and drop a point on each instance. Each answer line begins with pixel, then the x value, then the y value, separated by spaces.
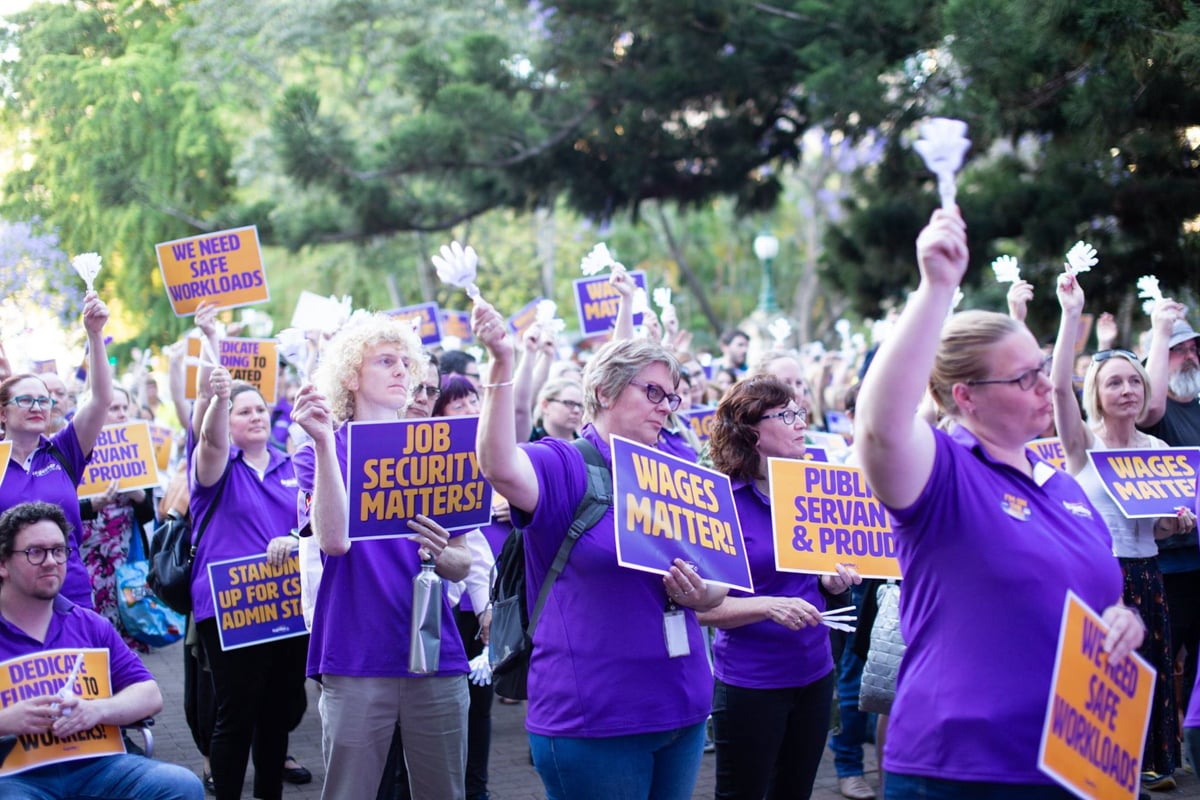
pixel 208 514
pixel 590 510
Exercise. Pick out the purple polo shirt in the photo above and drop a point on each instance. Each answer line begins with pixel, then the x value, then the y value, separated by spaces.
pixel 599 666
pixel 364 607
pixel 766 655
pixel 45 480
pixel 676 444
pixel 250 514
pixel 72 626
pixel 987 555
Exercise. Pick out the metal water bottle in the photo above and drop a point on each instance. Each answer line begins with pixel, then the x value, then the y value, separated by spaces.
pixel 425 641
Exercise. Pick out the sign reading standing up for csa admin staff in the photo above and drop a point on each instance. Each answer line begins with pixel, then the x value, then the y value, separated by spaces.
pixel 256 601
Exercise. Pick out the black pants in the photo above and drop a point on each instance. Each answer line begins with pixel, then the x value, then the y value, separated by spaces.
pixel 770 741
pixel 1183 605
pixel 256 693
pixel 199 705
pixel 479 712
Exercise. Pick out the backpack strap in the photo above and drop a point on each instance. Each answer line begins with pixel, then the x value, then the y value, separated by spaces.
pixel 595 503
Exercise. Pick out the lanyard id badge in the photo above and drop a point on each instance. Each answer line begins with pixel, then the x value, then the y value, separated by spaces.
pixel 675 632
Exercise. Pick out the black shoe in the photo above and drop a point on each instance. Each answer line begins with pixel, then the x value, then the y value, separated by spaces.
pixel 209 786
pixel 297 774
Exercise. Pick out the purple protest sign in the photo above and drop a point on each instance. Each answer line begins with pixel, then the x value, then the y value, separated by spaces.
pixel 398 469
pixel 456 324
pixel 667 508
pixel 1148 483
pixel 429 326
pixel 596 302
pixel 521 320
pixel 255 601
pixel 700 418
pixel 817 454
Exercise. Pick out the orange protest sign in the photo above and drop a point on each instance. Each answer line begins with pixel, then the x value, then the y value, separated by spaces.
pixel 5 453
pixel 1051 450
pixel 46 673
pixel 255 361
pixel 123 453
pixel 824 515
pixel 224 268
pixel 162 438
pixel 1097 712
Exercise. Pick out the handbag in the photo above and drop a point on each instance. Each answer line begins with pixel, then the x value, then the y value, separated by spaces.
pixel 144 616
pixel 171 556
pixel 878 687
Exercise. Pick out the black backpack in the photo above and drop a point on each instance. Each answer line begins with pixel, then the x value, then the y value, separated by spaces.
pixel 511 636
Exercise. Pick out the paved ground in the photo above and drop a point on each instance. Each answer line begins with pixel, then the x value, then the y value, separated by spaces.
pixel 512 777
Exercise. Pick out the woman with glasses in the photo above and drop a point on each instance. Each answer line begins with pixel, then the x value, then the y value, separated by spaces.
pixel 48 468
pixel 771 656
pixel 246 489
pixel 559 410
pixel 1116 392
pixel 611 712
pixel 989 537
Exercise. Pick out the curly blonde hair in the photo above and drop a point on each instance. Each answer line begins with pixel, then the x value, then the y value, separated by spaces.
pixel 342 358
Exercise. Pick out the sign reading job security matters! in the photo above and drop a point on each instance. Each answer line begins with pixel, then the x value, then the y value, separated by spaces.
pixel 397 470
pixel 124 452
pixel 1148 483
pixel 596 301
pixel 224 268
pixel 255 361
pixel 46 673
pixel 824 515
pixel 255 601
pixel 1097 713
pixel 667 508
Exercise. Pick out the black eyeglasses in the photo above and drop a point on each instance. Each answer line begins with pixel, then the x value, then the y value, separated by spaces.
pixel 28 401
pixel 656 394
pixel 789 416
pixel 571 404
pixel 430 391
pixel 37 555
pixel 1105 355
pixel 1025 381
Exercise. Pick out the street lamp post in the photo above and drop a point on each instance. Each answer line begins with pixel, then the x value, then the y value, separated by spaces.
pixel 766 247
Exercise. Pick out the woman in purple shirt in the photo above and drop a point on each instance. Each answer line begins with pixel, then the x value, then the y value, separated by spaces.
pixel 990 538
pixel 771 657
pixel 614 712
pixel 49 468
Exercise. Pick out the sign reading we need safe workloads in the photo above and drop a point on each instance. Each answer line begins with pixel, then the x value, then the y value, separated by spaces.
pixel 396 470
pixel 1097 713
pixel 667 508
pixel 46 673
pixel 224 268
pixel 824 515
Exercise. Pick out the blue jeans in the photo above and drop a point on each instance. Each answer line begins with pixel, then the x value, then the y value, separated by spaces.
pixel 857 727
pixel 645 766
pixel 123 777
pixel 915 787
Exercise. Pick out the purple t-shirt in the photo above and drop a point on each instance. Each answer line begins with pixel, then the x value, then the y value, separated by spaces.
pixel 599 666
pixel 766 655
pixel 1193 710
pixel 250 514
pixel 676 444
pixel 364 607
pixel 72 626
pixel 988 554
pixel 45 480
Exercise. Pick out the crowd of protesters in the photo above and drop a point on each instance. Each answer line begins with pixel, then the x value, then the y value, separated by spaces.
pixel 942 422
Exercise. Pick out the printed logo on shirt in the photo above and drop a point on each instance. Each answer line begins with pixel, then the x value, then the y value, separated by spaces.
pixel 291 483
pixel 1078 509
pixel 46 470
pixel 1016 507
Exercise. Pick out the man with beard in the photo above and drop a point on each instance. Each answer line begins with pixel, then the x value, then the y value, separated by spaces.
pixel 1178 555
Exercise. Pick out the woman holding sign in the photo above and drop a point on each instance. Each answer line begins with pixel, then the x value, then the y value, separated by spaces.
pixel 990 538
pixel 246 490
pixel 49 469
pixel 771 656
pixel 619 685
pixel 1116 391
pixel 361 622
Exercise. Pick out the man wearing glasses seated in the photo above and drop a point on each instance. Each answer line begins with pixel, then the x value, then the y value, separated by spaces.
pixel 67 680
